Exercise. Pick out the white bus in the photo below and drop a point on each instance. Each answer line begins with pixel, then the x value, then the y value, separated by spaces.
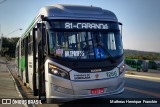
pixel 72 52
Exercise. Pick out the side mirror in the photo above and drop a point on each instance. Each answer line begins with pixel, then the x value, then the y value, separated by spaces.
pixel 120 23
pixel 121 27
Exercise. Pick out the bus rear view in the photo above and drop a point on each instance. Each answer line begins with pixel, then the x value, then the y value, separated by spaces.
pixel 82 53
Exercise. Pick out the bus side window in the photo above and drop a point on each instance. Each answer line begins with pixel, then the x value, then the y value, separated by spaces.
pixel 36 40
pixel 44 36
pixel 22 47
pixel 30 43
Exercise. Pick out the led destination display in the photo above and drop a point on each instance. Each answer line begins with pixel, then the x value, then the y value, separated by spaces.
pixel 84 25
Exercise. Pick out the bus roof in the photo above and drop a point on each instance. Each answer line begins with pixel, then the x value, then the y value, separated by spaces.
pixel 73 12
pixel 77 12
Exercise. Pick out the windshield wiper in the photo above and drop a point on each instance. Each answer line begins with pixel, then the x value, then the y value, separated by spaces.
pixel 106 51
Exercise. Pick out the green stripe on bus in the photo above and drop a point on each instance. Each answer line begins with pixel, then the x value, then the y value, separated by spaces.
pixel 22 61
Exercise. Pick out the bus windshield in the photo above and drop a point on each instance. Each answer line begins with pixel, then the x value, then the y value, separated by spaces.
pixel 88 45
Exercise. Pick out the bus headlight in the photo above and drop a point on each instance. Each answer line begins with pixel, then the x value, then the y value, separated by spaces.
pixel 122 68
pixel 58 72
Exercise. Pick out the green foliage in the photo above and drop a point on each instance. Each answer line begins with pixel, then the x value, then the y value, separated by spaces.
pixel 9 46
pixel 141 55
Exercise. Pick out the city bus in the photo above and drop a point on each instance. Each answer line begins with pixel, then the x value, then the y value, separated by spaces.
pixel 72 52
pixel 140 65
pixel 134 63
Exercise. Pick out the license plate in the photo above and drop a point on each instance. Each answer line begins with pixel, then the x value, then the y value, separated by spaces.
pixel 97 91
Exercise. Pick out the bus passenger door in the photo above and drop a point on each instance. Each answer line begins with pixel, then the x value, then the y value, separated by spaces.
pixel 35 63
pixel 25 79
pixel 41 59
pixel 30 59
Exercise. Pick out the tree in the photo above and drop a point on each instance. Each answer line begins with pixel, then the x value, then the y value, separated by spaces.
pixel 9 46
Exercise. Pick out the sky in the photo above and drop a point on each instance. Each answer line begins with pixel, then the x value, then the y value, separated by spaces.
pixel 140 18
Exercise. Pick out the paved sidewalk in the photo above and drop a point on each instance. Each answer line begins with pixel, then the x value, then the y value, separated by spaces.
pixel 7 84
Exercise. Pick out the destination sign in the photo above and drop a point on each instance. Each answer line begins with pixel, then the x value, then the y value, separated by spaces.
pixel 84 25
pixel 70 25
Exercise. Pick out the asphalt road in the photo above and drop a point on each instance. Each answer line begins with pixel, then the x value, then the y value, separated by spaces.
pixel 137 88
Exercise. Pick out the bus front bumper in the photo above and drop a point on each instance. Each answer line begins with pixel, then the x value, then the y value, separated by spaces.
pixel 65 90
